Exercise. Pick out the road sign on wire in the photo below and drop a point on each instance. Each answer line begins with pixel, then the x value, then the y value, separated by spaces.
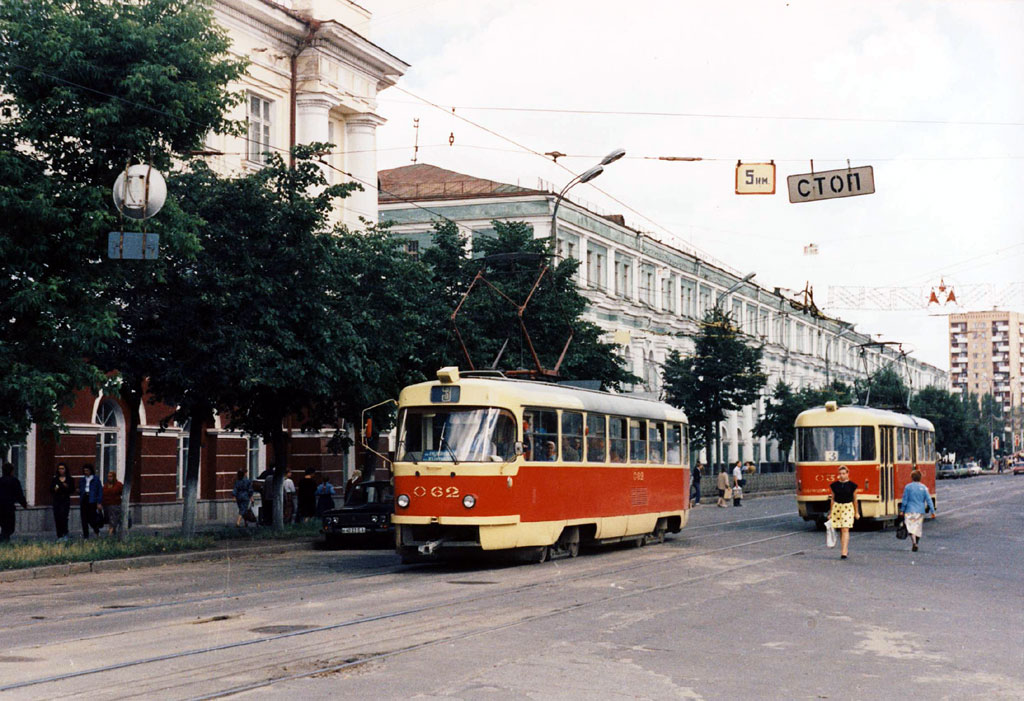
pixel 131 245
pixel 755 178
pixel 830 184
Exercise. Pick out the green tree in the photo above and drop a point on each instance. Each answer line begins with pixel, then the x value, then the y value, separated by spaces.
pixel 91 86
pixel 723 374
pixel 884 389
pixel 488 322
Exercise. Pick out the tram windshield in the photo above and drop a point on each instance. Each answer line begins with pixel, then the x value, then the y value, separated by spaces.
pixel 835 443
pixel 429 434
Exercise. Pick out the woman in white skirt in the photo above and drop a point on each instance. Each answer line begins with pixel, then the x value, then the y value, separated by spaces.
pixel 843 508
pixel 916 502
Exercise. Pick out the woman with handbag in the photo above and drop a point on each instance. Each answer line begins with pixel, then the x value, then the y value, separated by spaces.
pixel 914 504
pixel 724 491
pixel 843 508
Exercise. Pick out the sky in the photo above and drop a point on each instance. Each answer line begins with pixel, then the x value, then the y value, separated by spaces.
pixel 928 93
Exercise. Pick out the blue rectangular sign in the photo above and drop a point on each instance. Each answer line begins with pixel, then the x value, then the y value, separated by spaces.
pixel 131 245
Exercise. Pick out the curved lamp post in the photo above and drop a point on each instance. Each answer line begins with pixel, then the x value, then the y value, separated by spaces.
pixel 736 286
pixel 584 177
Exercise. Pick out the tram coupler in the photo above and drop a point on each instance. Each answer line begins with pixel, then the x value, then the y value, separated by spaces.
pixel 429 548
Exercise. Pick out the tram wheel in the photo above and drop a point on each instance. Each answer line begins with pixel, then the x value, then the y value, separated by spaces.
pixel 543 554
pixel 658 535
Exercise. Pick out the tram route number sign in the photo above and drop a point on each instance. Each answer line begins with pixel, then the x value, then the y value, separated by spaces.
pixel 831 184
pixel 755 178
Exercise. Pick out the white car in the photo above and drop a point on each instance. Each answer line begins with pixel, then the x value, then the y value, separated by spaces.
pixel 973 469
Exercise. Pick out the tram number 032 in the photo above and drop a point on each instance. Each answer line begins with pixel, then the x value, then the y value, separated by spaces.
pixel 446 492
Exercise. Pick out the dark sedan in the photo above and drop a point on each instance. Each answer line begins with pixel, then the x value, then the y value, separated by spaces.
pixel 366 514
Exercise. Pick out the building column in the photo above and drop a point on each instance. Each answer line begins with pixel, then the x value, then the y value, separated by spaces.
pixel 361 159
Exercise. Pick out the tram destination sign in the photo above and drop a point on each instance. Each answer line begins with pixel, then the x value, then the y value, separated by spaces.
pixel 831 184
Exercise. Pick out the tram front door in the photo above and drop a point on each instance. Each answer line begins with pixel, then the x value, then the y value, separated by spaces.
pixel 886 469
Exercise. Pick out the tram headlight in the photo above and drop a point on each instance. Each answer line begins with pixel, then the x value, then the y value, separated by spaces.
pixel 402 500
pixel 469 501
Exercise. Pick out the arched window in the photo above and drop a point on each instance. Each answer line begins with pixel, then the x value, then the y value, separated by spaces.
pixel 108 439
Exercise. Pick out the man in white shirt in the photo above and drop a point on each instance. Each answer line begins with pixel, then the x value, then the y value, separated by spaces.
pixel 289 497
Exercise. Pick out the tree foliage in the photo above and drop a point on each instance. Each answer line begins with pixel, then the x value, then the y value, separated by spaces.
pixel 884 389
pixel 723 374
pixel 784 405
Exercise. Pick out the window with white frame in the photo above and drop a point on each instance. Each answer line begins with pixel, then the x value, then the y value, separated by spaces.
pixel 647 284
pixel 260 124
pixel 254 457
pixel 596 268
pixel 668 293
pixel 184 448
pixel 108 418
pixel 17 455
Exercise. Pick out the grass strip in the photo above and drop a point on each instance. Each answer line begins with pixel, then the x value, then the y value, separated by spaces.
pixel 18 555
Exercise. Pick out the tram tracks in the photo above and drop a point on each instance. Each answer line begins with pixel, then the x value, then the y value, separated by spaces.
pixel 557 581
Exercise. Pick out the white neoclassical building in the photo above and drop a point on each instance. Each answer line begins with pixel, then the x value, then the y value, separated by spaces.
pixel 311 78
pixel 649 296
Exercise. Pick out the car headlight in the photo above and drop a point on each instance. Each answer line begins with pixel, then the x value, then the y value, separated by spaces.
pixel 403 500
pixel 469 501
pixel 374 518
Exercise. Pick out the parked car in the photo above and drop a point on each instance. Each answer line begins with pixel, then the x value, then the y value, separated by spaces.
pixel 945 471
pixel 1018 468
pixel 960 470
pixel 366 514
pixel 973 469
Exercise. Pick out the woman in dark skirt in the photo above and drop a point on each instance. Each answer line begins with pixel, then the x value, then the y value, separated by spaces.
pixel 61 489
pixel 843 508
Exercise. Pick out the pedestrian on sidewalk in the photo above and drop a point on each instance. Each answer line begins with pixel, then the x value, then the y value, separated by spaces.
pixel 112 490
pixel 843 508
pixel 306 490
pixel 61 489
pixel 242 492
pixel 324 496
pixel 289 497
pixel 724 490
pixel 738 483
pixel 695 474
pixel 11 494
pixel 90 500
pixel 914 504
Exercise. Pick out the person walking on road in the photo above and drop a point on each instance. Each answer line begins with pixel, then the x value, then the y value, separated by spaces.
pixel 112 490
pixel 914 504
pixel 242 492
pixel 307 495
pixel 11 494
pixel 695 474
pixel 843 508
pixel 90 500
pixel 61 490
pixel 724 490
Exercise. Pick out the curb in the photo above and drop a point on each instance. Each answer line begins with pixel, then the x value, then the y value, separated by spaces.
pixel 144 561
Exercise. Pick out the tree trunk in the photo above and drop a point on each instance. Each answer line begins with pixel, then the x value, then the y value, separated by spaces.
pixel 280 442
pixel 132 395
pixel 191 492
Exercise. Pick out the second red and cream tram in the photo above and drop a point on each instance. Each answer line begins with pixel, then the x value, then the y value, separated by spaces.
pixel 880 448
pixel 488 463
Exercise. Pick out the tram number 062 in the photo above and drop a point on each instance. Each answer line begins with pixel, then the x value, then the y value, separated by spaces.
pixel 446 492
pixel 638 476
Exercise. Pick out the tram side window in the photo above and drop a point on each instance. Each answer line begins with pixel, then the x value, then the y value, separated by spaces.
pixel 597 434
pixel 902 445
pixel 540 435
pixel 572 436
pixel 674 445
pixel 637 440
pixel 656 442
pixel 616 439
pixel 930 446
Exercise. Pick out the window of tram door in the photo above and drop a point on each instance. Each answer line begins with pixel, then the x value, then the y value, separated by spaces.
pixel 597 436
pixel 674 453
pixel 637 440
pixel 540 435
pixel 572 436
pixel 655 442
pixel 617 439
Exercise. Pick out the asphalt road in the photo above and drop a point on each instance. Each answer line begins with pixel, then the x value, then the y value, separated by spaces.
pixel 744 603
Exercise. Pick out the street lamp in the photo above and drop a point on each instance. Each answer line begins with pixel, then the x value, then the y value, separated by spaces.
pixel 584 177
pixel 748 278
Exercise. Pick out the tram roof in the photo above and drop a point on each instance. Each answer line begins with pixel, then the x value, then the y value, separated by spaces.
pixel 546 394
pixel 860 416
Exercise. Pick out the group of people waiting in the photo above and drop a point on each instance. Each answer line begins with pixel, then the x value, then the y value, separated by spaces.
pixel 730 483
pixel 99 502
pixel 310 498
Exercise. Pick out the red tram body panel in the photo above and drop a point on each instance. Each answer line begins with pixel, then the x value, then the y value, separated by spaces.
pixel 880 448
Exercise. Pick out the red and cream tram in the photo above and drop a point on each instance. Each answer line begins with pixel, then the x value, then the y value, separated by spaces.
pixel 880 448
pixel 487 463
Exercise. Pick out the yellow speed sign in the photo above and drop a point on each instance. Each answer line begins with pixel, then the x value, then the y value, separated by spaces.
pixel 755 178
